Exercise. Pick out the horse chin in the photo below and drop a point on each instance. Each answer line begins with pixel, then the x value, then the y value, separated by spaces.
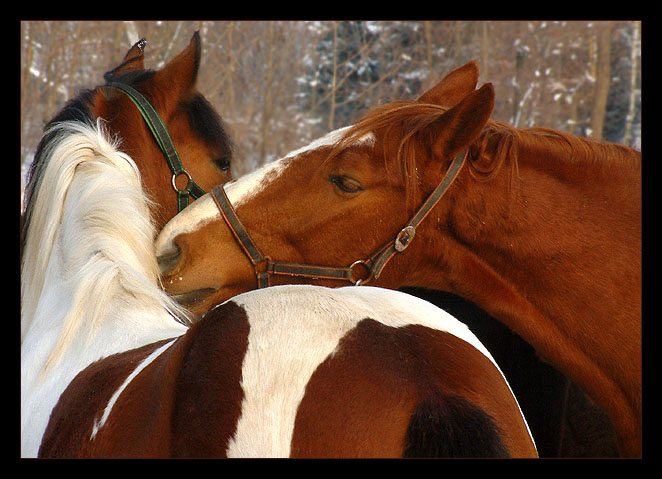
pixel 199 301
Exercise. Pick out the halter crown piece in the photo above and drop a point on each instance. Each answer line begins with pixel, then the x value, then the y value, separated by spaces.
pixel 162 137
pixel 265 267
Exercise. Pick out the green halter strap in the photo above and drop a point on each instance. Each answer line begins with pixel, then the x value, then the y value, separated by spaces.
pixel 162 137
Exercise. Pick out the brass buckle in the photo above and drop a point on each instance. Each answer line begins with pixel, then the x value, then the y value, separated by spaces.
pixel 403 240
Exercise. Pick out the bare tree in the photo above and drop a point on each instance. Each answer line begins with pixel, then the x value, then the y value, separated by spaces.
pixel 634 69
pixel 265 80
pixel 602 80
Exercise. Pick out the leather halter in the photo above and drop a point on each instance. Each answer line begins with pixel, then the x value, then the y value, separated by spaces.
pixel 265 267
pixel 160 133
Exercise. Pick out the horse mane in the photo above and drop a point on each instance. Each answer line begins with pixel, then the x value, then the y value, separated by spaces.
pixel 558 147
pixel 91 236
pixel 498 144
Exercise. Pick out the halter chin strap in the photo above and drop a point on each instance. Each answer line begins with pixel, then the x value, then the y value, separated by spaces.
pixel 160 133
pixel 265 267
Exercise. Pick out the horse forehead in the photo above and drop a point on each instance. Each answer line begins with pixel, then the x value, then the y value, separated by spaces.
pixel 249 185
pixel 204 210
pixel 330 139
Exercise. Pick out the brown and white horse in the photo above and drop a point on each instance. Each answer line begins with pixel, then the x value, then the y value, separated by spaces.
pixel 100 140
pixel 297 371
pixel 107 370
pixel 540 229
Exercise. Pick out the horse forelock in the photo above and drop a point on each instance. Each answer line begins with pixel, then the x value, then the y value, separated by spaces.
pixel 207 123
pixel 400 123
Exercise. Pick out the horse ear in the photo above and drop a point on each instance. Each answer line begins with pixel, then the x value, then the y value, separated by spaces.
pixel 133 60
pixel 454 86
pixel 180 74
pixel 458 127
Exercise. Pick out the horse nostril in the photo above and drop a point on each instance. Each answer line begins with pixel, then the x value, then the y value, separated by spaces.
pixel 169 259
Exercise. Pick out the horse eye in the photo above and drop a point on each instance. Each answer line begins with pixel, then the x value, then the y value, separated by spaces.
pixel 346 185
pixel 223 163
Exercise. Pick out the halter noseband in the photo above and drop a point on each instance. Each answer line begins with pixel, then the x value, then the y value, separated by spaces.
pixel 160 133
pixel 265 267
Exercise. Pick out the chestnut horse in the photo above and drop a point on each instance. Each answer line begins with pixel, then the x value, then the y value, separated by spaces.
pixel 540 229
pixel 109 370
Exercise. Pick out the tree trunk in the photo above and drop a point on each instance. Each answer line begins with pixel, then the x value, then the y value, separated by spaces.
pixel 484 50
pixel 627 139
pixel 332 108
pixel 602 80
pixel 267 99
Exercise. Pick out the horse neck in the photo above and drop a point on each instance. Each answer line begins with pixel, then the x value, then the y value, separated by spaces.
pixel 89 274
pixel 551 246
pixel 568 212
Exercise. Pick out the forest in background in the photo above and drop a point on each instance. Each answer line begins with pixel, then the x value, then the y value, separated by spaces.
pixel 280 84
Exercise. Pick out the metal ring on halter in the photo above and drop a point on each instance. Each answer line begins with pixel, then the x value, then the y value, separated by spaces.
pixel 188 183
pixel 359 282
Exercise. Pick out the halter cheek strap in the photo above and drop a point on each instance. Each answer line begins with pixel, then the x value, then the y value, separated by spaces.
pixel 265 266
pixel 162 137
pixel 406 234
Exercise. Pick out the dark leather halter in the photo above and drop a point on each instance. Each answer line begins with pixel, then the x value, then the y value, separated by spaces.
pixel 265 267
pixel 162 137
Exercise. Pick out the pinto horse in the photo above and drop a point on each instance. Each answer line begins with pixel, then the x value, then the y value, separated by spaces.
pixel 112 121
pixel 195 133
pixel 109 370
pixel 300 371
pixel 540 229
pixel 297 371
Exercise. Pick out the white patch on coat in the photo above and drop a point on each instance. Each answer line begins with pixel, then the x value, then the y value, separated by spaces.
pixel 98 424
pixel 283 352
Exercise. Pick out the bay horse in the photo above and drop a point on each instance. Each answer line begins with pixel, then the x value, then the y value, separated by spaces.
pixel 202 146
pixel 109 368
pixel 540 229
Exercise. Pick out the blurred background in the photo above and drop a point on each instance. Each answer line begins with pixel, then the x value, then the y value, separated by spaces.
pixel 280 84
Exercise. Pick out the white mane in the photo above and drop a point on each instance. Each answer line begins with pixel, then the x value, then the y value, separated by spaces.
pixel 89 278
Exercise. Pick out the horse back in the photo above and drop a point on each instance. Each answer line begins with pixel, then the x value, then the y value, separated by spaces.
pixel 383 392
pixel 410 391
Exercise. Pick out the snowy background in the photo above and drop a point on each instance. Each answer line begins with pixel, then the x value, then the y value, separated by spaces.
pixel 279 85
